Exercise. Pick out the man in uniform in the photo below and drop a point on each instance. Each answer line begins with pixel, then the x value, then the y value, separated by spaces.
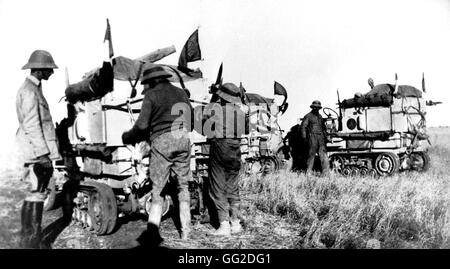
pixel 170 152
pixel 228 123
pixel 313 131
pixel 38 144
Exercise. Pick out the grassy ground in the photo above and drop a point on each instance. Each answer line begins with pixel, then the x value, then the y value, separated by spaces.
pixel 262 230
pixel 408 210
pixel 286 210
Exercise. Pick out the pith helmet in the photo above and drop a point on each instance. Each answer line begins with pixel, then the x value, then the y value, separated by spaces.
pixel 230 92
pixel 40 59
pixel 316 104
pixel 153 73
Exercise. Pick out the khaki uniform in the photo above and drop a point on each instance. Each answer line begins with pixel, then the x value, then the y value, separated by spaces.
pixel 313 130
pixel 36 136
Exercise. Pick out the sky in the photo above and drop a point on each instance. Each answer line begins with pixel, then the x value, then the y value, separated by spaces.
pixel 312 48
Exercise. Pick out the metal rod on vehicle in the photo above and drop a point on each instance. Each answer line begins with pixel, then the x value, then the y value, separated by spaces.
pixel 198 102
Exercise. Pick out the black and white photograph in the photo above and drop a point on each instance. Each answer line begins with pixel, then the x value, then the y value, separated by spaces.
pixel 225 125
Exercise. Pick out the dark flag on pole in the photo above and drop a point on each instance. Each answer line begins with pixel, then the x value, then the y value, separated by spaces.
pixel 190 53
pixel 279 89
pixel 423 82
pixel 109 39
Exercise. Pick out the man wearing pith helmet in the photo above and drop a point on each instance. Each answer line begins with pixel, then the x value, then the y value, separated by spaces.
pixel 313 131
pixel 170 148
pixel 37 140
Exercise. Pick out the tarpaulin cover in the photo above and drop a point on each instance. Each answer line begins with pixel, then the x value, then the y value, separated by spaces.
pixel 408 91
pixel 402 91
pixel 254 98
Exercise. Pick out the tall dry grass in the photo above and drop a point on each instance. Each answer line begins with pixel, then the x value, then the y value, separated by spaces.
pixel 408 210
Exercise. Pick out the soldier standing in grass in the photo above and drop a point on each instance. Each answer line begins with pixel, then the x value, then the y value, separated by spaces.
pixel 228 124
pixel 170 148
pixel 38 144
pixel 313 131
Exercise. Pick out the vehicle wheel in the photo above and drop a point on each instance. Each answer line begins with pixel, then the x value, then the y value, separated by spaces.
pixel 387 163
pixel 355 172
pixel 269 165
pixel 347 171
pixel 336 163
pixel 102 208
pixel 364 171
pixel 282 159
pixel 420 161
pixel 373 173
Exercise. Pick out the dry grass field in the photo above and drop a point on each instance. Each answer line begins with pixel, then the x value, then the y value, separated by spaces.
pixel 408 210
pixel 286 210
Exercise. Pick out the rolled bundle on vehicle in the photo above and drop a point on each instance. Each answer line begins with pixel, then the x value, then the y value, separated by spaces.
pixel 381 95
pixel 383 100
pixel 93 87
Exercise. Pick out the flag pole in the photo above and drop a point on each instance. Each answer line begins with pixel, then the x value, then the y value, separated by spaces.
pixel 396 83
pixel 202 62
pixel 107 42
pixel 67 77
pixel 423 81
pixel 109 53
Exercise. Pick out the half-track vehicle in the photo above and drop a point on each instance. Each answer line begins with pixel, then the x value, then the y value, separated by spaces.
pixel 379 133
pixel 103 178
pixel 262 146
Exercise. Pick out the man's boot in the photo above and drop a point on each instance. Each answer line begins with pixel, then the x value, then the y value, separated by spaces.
pixel 224 229
pixel 31 224
pixel 26 230
pixel 185 219
pixel 36 219
pixel 151 238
